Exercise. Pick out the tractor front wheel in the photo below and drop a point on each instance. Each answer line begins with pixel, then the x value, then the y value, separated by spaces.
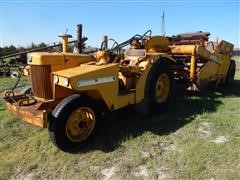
pixel 72 123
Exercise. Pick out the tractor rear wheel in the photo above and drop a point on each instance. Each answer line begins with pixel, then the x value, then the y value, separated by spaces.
pixel 231 72
pixel 159 86
pixel 72 123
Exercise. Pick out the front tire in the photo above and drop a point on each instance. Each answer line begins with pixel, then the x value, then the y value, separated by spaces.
pixel 72 123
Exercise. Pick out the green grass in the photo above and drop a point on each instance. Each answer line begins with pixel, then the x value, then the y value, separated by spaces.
pixel 181 144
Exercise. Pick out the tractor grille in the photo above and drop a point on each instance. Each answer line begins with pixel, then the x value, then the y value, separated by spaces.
pixel 41 83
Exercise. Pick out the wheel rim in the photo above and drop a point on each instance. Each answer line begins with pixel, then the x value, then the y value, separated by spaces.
pixel 80 124
pixel 162 88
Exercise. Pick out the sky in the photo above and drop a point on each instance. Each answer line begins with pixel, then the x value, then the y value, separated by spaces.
pixel 26 21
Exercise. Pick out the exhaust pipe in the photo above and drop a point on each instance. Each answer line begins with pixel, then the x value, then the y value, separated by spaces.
pixel 79 38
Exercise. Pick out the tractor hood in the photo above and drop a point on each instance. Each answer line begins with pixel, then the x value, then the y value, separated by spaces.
pixel 56 58
pixel 86 75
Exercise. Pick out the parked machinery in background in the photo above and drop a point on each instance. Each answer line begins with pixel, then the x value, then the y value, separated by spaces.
pixel 4 68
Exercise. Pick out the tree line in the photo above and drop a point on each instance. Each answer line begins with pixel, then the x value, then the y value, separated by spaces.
pixel 13 49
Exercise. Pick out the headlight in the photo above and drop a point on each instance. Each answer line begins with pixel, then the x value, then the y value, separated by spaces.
pixel 29 58
pixel 55 79
pixel 66 81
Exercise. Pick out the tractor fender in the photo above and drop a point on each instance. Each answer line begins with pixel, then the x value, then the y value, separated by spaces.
pixel 166 57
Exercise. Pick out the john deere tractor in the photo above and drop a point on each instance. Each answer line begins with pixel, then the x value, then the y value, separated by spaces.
pixel 69 91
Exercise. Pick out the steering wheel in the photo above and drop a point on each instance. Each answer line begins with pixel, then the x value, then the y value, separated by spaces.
pixel 147 34
pixel 115 46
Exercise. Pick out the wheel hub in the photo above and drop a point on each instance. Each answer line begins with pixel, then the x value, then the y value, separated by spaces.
pixel 80 124
pixel 162 88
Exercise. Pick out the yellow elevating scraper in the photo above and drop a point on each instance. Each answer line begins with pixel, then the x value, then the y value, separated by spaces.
pixel 68 90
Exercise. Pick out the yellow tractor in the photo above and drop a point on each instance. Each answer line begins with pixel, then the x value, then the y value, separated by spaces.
pixel 69 90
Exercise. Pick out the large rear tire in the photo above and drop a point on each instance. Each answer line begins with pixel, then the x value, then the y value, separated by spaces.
pixel 231 72
pixel 72 123
pixel 158 88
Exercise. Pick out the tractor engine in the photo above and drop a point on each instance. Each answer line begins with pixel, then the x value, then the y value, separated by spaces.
pixel 43 63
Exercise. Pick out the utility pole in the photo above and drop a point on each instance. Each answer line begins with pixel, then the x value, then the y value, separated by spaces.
pixel 163 25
